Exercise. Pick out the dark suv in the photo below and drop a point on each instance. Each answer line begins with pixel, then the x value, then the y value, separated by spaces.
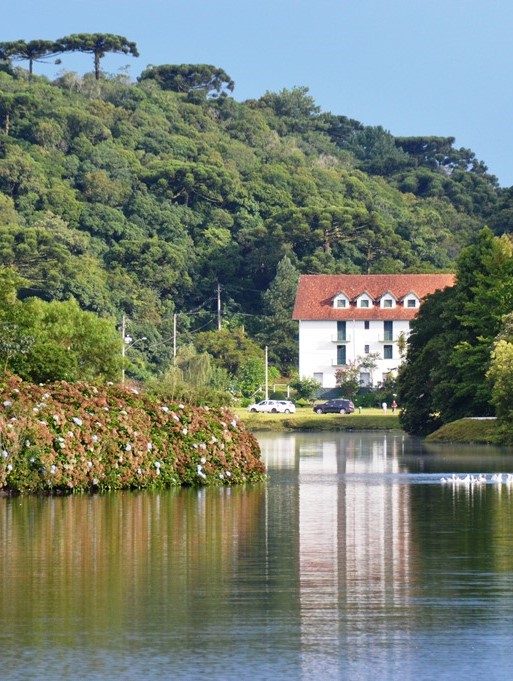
pixel 334 407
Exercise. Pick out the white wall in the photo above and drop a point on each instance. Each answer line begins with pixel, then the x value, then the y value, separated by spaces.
pixel 318 347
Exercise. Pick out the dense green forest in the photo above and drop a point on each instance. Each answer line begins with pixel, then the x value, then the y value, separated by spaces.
pixel 169 203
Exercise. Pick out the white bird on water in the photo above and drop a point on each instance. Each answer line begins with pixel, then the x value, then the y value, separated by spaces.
pixel 478 479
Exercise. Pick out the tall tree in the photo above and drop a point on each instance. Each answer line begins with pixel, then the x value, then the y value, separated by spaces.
pixel 31 51
pixel 449 349
pixel 97 44
pixel 280 331
pixel 189 78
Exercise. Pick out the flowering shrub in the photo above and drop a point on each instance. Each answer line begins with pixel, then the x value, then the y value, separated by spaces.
pixel 74 437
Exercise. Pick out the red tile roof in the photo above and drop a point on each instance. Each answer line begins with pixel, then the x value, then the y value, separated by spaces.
pixel 315 293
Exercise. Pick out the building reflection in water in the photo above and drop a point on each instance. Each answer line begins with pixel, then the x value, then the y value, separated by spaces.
pixel 354 542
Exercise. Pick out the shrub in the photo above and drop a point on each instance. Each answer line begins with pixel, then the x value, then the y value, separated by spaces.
pixel 66 437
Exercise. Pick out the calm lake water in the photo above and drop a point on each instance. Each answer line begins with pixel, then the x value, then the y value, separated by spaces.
pixel 352 562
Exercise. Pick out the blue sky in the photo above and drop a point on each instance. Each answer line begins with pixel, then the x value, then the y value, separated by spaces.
pixel 415 67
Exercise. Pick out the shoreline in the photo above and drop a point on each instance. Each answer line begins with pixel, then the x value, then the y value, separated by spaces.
pixel 470 430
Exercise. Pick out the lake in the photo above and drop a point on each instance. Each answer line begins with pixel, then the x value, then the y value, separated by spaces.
pixel 353 561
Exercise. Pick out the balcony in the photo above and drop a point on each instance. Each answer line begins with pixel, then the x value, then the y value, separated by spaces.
pixel 385 338
pixel 341 339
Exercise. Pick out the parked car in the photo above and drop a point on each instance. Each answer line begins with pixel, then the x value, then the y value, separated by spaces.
pixel 274 406
pixel 334 407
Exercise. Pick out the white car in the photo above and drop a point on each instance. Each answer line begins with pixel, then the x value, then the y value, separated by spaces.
pixel 274 406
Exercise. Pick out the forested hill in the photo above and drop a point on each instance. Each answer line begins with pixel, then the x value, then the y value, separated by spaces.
pixel 141 198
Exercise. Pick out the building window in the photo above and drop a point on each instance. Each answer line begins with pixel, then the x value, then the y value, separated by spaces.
pixel 341 355
pixel 387 351
pixel 364 302
pixel 387 302
pixel 411 302
pixel 341 331
pixel 388 329
pixel 319 377
pixel 341 302
pixel 365 379
pixel 366 325
pixel 366 349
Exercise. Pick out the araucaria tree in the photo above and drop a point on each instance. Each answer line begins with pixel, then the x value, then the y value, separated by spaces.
pixel 31 51
pixel 187 78
pixel 97 44
pixel 449 349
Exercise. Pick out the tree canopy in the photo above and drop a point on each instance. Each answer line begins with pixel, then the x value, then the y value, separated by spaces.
pixel 142 198
pixel 97 44
pixel 31 51
pixel 188 78
pixel 449 350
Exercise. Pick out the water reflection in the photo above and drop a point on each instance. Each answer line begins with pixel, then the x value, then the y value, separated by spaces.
pixel 354 538
pixel 352 561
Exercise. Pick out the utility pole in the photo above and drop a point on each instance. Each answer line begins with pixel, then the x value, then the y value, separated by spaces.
pixel 266 373
pixel 218 306
pixel 123 348
pixel 174 336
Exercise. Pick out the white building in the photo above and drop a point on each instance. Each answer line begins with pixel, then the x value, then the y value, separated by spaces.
pixel 344 317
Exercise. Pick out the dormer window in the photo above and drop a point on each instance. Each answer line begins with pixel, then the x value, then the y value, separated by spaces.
pixel 364 300
pixel 411 301
pixel 340 301
pixel 387 300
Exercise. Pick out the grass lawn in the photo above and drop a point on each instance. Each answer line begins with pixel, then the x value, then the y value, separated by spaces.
pixel 482 431
pixel 306 419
